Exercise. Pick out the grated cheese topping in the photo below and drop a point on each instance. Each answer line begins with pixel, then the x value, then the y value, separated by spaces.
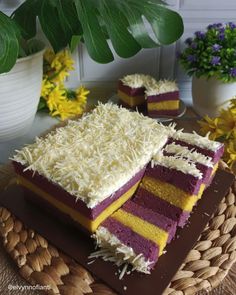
pixel 191 155
pixel 161 86
pixel 195 139
pixel 137 80
pixel 177 163
pixel 94 156
pixel 112 249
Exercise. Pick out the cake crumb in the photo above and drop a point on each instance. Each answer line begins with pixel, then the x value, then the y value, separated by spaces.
pixel 125 288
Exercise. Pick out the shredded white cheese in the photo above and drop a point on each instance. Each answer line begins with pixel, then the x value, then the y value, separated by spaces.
pixel 94 156
pixel 195 139
pixel 112 249
pixel 177 163
pixel 137 80
pixel 191 155
pixel 160 87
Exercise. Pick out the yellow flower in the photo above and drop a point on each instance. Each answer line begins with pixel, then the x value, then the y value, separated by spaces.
pixel 81 93
pixel 67 109
pixel 60 76
pixel 62 60
pixel 227 122
pixel 55 98
pixel 49 55
pixel 46 87
pixel 231 150
pixel 209 125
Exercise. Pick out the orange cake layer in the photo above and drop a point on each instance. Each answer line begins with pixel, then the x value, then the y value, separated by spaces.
pixel 163 105
pixel 90 225
pixel 131 100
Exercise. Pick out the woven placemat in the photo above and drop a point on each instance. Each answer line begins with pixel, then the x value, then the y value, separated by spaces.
pixel 41 263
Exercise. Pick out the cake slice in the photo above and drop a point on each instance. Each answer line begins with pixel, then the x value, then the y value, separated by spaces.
pixel 162 98
pixel 171 186
pixel 87 169
pixel 131 91
pixel 134 235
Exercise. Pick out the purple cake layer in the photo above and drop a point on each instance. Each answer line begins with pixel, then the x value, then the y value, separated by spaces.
pixel 206 170
pixel 215 155
pixel 131 239
pixel 60 194
pixel 163 222
pixel 52 210
pixel 155 114
pixel 148 200
pixel 131 91
pixel 186 182
pixel 164 96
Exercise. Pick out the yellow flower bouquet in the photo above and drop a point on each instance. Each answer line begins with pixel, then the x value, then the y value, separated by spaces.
pixel 55 98
pixel 223 129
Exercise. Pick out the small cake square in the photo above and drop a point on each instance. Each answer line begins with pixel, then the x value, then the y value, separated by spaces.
pixel 131 91
pixel 162 98
pixel 134 235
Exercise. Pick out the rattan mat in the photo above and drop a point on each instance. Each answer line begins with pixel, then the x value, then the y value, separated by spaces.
pixel 41 263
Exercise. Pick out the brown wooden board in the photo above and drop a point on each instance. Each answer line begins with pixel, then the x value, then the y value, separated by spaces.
pixel 79 246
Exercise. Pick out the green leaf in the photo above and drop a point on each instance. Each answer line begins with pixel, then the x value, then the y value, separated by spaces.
pixel 42 104
pixel 68 18
pixel 123 21
pixel 123 42
pixel 9 45
pixel 167 25
pixel 94 37
pixel 74 42
pixel 138 28
pixel 51 25
pixel 25 17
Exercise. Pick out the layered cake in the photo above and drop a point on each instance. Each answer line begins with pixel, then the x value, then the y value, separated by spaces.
pixel 178 175
pixel 162 98
pixel 87 169
pixel 135 235
pixel 171 186
pixel 131 90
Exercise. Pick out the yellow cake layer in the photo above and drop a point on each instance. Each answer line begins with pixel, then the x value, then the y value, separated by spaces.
pixel 90 225
pixel 143 228
pixel 163 105
pixel 132 101
pixel 171 193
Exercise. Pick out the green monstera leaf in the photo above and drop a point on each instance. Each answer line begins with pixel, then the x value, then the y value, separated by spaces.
pixel 129 24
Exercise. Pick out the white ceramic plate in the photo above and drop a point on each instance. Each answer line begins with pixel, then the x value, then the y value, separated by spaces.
pixel 182 110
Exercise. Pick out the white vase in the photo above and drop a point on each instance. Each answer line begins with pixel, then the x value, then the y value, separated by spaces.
pixel 211 95
pixel 19 96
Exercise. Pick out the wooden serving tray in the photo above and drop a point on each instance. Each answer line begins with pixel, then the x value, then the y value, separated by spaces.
pixel 79 246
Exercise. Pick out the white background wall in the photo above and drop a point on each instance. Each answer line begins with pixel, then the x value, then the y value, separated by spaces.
pixel 160 62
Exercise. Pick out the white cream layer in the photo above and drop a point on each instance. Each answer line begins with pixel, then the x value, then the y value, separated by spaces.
pixel 160 87
pixel 195 139
pixel 137 80
pixel 191 155
pixel 177 163
pixel 94 156
pixel 112 249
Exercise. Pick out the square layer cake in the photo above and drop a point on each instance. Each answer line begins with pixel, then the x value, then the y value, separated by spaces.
pixel 162 98
pixel 131 90
pixel 87 169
